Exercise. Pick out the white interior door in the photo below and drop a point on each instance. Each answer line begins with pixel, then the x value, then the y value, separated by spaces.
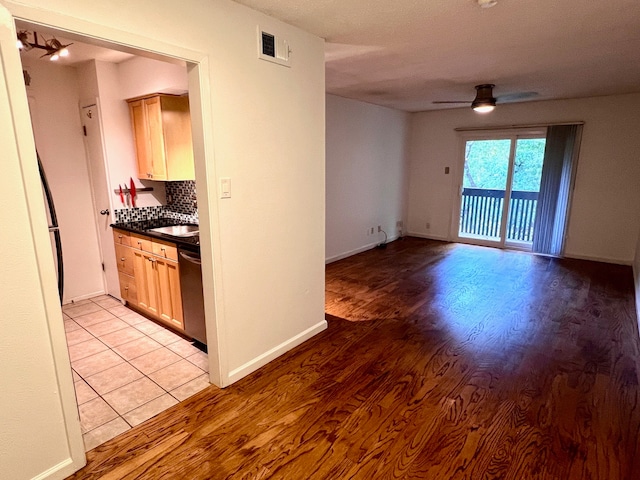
pixel 103 208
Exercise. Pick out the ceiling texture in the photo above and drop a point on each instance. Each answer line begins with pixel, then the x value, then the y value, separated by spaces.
pixel 405 54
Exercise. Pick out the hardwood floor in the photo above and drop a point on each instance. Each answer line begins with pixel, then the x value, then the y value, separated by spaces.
pixel 464 363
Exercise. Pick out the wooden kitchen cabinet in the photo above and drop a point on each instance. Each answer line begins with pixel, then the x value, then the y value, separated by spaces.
pixel 167 275
pixel 128 289
pixel 146 284
pixel 162 136
pixel 124 261
pixel 141 242
pixel 150 277
pixel 120 237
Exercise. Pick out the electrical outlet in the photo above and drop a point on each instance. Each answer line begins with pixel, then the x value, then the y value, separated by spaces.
pixel 428 225
pixel 399 224
pixel 379 228
pixel 371 231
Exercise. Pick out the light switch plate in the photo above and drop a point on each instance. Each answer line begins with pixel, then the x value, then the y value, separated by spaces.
pixel 225 188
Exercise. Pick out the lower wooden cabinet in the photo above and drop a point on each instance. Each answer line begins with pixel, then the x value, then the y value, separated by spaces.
pixel 128 288
pixel 150 277
pixel 167 276
pixel 144 276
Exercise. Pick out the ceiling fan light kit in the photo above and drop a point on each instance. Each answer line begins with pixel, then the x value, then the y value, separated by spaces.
pixel 54 49
pixel 487 3
pixel 484 102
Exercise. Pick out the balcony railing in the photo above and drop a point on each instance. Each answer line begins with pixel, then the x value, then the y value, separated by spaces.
pixel 481 213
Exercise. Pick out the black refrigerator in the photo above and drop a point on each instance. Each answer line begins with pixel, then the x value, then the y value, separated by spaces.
pixel 54 229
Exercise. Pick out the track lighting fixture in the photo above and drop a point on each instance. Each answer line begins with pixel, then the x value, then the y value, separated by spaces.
pixel 53 47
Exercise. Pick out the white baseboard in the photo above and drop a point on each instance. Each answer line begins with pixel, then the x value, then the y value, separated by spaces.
pixel 428 236
pixel 61 470
pixel 85 297
pixel 260 361
pixel 615 261
pixel 355 251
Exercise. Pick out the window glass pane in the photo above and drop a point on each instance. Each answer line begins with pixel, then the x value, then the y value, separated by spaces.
pixel 527 172
pixel 486 164
pixel 527 169
pixel 486 167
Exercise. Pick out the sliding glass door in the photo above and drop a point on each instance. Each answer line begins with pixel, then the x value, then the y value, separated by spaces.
pixel 499 189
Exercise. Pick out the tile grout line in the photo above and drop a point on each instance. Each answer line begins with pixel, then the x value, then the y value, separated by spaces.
pixel 128 361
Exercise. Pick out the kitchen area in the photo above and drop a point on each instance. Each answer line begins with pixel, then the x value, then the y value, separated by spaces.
pixel 112 131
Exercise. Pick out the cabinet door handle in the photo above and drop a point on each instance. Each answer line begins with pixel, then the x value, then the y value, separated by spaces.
pixel 122 259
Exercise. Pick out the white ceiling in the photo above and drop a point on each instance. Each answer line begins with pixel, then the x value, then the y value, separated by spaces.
pixel 407 53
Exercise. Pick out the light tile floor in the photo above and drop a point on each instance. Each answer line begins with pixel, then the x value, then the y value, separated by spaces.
pixel 126 368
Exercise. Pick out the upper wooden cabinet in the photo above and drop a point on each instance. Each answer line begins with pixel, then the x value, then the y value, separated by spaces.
pixel 162 134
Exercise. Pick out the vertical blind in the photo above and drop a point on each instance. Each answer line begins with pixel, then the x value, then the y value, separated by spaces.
pixel 558 169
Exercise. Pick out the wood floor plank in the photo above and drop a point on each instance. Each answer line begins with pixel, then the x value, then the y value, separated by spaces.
pixel 441 361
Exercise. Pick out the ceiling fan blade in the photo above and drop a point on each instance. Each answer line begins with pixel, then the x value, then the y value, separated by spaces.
pixel 515 97
pixel 451 101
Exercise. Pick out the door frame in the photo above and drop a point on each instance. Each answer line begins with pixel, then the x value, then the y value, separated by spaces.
pixel 202 131
pixel 512 134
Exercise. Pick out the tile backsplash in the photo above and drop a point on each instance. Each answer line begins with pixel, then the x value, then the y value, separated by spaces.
pixel 181 197
pixel 139 213
pixel 181 205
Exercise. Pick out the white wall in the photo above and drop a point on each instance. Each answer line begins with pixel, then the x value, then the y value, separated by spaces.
pixel 114 84
pixel 117 83
pixel 366 171
pixel 604 221
pixel 118 137
pixel 264 129
pixel 141 76
pixel 36 399
pixel 58 134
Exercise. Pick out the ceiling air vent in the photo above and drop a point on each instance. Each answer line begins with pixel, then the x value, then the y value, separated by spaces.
pixel 273 48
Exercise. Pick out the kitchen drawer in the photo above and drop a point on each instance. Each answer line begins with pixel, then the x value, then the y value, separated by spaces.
pixel 120 237
pixel 128 289
pixel 141 242
pixel 124 259
pixel 165 249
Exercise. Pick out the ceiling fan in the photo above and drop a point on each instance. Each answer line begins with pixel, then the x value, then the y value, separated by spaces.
pixel 485 101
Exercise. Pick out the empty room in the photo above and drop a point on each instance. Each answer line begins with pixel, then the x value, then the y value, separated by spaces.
pixel 418 229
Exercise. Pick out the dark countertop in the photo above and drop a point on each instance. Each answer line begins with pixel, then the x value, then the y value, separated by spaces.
pixel 187 243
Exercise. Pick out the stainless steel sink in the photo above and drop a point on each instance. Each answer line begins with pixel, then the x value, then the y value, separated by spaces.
pixel 178 230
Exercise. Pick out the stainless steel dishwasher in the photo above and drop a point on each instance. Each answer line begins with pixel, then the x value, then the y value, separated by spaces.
pixel 192 295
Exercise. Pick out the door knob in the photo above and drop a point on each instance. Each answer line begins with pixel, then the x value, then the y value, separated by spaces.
pixel 104 212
